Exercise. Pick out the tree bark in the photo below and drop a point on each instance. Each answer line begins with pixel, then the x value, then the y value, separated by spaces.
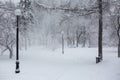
pixel 77 39
pixel 11 52
pixel 119 49
pixel 84 41
pixel 84 36
pixel 118 33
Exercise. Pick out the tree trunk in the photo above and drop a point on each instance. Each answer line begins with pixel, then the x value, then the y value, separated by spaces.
pixel 119 49
pixel 73 41
pixel 11 52
pixel 84 36
pixel 118 33
pixel 68 41
pixel 84 41
pixel 77 39
pixel 25 42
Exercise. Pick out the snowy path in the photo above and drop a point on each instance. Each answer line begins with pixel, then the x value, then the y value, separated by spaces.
pixel 76 64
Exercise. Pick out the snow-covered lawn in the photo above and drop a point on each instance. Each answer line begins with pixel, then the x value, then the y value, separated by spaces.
pixel 76 64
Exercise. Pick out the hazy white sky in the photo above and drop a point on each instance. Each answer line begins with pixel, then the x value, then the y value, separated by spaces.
pixel 15 1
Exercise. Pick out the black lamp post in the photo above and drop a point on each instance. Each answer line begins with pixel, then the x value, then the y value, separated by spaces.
pixel 17 13
pixel 100 33
pixel 62 42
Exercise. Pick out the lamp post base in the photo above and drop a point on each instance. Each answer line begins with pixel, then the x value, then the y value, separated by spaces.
pixel 98 59
pixel 17 71
pixel 17 67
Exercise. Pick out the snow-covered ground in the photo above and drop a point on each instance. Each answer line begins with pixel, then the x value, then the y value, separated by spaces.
pixel 76 64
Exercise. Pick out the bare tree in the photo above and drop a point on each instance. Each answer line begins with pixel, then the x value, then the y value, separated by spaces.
pixel 115 15
pixel 7 27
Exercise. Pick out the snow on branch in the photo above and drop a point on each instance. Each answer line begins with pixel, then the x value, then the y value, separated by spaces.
pixel 76 10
